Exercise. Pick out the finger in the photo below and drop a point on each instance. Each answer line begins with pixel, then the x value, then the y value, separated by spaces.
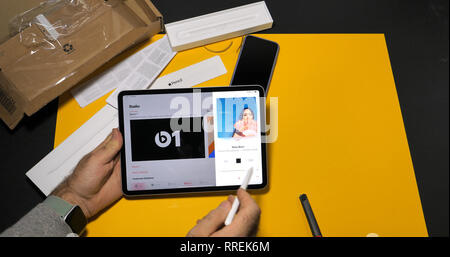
pixel 245 198
pixel 109 148
pixel 248 207
pixel 246 219
pixel 213 221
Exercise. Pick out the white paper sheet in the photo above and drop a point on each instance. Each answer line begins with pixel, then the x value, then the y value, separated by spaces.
pixel 149 62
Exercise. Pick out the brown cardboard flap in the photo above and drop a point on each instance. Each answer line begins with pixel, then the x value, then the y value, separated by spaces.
pixel 138 11
pixel 145 10
pixel 153 9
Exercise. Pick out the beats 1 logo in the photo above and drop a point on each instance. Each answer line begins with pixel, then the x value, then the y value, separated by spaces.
pixel 163 139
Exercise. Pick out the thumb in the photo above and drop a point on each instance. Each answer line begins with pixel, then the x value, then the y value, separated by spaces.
pixel 109 148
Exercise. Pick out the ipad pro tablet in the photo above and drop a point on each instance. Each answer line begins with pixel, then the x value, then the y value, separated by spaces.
pixel 192 140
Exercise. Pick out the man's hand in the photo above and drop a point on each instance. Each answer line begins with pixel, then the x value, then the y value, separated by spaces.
pixel 96 181
pixel 245 222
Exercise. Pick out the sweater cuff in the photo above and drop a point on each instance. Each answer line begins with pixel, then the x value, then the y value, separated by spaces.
pixel 42 221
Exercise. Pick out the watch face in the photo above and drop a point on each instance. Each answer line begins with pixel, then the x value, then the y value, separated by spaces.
pixel 76 220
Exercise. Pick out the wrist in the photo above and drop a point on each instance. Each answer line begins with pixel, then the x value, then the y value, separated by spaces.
pixel 66 194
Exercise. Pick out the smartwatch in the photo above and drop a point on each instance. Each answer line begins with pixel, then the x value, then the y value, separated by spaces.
pixel 71 214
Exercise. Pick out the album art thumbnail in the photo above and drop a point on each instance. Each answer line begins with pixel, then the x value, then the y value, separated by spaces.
pixel 237 117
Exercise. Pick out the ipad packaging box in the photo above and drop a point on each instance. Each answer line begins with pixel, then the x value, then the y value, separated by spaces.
pixel 55 45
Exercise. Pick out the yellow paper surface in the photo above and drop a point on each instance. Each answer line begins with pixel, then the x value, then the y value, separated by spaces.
pixel 341 140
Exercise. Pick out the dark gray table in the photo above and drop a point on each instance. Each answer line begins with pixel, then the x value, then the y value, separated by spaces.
pixel 417 39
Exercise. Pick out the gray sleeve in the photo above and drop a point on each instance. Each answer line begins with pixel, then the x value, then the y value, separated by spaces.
pixel 42 221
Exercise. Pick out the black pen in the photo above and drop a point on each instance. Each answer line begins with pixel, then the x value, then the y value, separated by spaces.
pixel 310 216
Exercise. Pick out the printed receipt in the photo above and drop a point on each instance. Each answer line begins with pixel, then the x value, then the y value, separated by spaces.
pixel 136 72
pixel 150 65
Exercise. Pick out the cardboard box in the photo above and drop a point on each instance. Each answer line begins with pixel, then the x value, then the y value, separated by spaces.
pixel 65 43
pixel 218 26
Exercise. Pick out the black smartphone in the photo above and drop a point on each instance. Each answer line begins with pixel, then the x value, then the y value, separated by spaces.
pixel 255 63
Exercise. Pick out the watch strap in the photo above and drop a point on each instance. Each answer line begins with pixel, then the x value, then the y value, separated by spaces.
pixel 71 214
pixel 60 206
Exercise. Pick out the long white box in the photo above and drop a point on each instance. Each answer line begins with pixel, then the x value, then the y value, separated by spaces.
pixel 49 172
pixel 192 75
pixel 218 26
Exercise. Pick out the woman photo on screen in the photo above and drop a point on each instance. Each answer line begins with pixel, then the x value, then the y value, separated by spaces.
pixel 246 126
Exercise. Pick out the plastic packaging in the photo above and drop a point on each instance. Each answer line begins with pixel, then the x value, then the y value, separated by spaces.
pixel 48 41
pixel 71 14
pixel 60 42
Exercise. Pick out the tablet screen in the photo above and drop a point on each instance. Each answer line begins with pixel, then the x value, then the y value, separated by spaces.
pixel 201 139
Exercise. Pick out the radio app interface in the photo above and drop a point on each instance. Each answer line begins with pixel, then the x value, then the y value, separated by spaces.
pixel 192 139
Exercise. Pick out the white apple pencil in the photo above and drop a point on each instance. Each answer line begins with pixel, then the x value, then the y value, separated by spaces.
pixel 235 205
